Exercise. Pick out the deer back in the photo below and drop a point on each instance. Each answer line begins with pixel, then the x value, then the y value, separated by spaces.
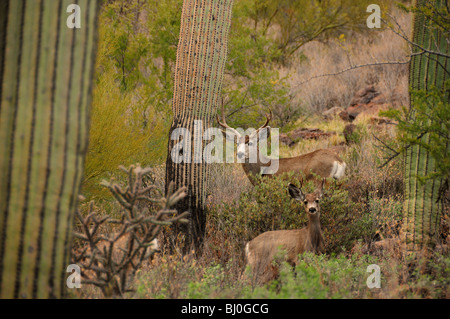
pixel 324 163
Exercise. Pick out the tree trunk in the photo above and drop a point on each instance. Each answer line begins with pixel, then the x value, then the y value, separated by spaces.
pixel 201 57
pixel 422 209
pixel 46 73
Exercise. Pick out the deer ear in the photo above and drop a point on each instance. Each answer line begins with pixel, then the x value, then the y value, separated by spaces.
pixel 319 190
pixel 296 193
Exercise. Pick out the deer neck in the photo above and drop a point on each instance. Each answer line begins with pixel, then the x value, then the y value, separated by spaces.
pixel 314 239
pixel 255 168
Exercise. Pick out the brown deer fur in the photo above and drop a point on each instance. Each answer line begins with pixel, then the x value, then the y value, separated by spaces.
pixel 261 251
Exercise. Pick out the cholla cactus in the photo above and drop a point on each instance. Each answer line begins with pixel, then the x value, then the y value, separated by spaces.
pixel 108 262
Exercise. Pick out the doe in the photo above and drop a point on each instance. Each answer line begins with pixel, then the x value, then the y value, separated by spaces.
pixel 260 251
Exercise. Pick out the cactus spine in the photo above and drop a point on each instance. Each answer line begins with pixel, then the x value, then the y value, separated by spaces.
pixel 46 73
pixel 422 208
pixel 201 57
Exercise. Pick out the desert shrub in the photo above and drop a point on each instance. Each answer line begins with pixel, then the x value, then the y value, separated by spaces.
pixel 268 206
pixel 368 174
pixel 342 219
pixel 321 276
pixel 387 215
pixel 315 276
pixel 188 277
pixel 358 133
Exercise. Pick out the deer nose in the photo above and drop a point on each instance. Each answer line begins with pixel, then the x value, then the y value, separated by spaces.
pixel 240 155
pixel 312 209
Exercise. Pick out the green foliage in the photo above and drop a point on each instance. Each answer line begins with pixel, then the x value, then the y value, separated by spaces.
pixel 383 219
pixel 320 277
pixel 428 128
pixel 118 135
pixel 301 21
pixel 315 276
pixel 122 45
pixel 265 35
pixel 268 206
pixel 358 134
pixel 437 16
pixel 254 97
pixel 130 111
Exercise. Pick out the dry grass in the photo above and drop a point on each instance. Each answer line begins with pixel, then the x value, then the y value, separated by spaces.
pixel 353 49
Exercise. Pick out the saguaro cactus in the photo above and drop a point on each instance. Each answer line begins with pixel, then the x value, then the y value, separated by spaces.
pixel 201 57
pixel 421 207
pixel 46 70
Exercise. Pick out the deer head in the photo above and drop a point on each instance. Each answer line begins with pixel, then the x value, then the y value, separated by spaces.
pixel 310 201
pixel 244 143
pixel 260 251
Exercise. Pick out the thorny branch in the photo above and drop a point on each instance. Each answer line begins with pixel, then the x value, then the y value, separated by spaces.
pixel 109 261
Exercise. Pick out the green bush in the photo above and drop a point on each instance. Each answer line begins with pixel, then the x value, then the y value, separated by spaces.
pixel 320 277
pixel 268 206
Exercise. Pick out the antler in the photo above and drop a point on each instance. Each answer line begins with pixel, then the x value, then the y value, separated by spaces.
pixel 268 119
pixel 224 122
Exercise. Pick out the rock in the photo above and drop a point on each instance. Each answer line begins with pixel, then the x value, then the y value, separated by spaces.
pixel 331 113
pixel 364 96
pixel 291 138
pixel 346 117
pixel 308 134
pixel 376 120
pixel 286 140
pixel 367 101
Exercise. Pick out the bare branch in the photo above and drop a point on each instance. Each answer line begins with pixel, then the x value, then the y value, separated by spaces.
pixel 354 67
pixel 404 37
pixel 110 261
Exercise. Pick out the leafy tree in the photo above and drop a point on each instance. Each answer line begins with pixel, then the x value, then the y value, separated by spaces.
pixel 130 112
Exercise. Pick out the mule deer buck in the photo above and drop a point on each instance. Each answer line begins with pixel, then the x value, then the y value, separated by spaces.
pixel 260 251
pixel 322 162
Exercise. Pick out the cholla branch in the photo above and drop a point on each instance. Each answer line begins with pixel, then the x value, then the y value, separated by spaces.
pixel 109 261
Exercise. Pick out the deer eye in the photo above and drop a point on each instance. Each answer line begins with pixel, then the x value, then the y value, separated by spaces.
pixel 317 201
pixel 306 202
